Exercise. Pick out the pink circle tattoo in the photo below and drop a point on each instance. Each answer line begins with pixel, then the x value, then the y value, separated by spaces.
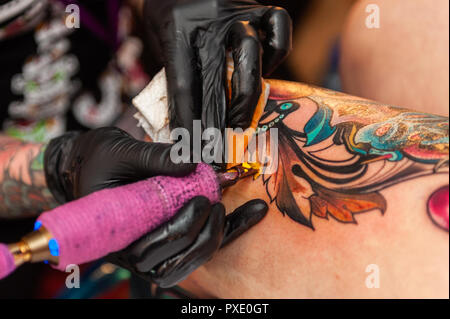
pixel 438 207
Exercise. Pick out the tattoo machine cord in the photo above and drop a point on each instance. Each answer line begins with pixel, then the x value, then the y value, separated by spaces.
pixel 111 219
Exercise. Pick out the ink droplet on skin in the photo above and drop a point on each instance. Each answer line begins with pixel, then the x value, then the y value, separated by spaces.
pixel 438 207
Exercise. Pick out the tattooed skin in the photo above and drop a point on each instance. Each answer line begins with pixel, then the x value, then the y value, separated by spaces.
pixel 345 150
pixel 23 191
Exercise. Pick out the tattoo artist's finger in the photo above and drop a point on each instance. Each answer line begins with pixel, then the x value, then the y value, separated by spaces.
pixel 277 25
pixel 183 85
pixel 152 159
pixel 246 80
pixel 208 242
pixel 214 105
pixel 172 237
pixel 243 218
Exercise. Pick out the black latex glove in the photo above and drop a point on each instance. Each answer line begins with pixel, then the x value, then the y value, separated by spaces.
pixel 77 164
pixel 174 250
pixel 193 37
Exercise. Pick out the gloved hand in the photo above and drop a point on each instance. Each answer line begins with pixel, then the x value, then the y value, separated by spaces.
pixel 77 164
pixel 174 250
pixel 194 36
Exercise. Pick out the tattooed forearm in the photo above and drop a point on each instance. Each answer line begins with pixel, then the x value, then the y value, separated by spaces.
pixel 23 190
pixel 344 150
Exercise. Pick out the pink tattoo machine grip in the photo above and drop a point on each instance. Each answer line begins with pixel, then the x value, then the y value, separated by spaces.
pixel 7 264
pixel 111 219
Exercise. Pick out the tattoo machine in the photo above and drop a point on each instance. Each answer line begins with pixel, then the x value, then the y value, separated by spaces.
pixel 153 113
pixel 111 219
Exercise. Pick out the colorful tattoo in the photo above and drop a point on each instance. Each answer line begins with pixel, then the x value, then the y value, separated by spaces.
pixel 347 149
pixel 23 191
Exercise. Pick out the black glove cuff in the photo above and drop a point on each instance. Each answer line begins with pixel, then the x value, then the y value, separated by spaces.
pixel 56 151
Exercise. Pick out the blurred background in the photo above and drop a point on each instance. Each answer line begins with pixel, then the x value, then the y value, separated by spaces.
pixel 107 62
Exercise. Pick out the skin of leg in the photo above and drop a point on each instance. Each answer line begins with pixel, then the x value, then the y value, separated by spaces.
pixel 279 258
pixel 404 62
